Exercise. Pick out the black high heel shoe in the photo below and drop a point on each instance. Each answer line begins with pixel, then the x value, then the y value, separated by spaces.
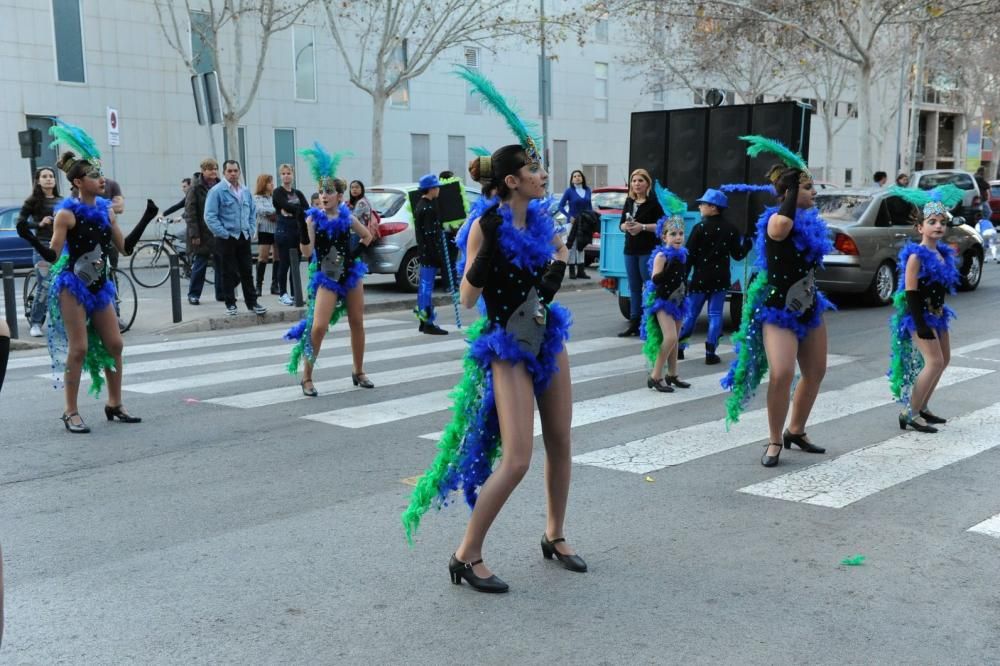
pixel 571 562
pixel 770 461
pixel 361 379
pixel 659 384
pixel 79 428
pixel 801 442
pixel 118 413
pixel 310 392
pixel 907 420
pixel 460 570
pixel 931 418
pixel 675 380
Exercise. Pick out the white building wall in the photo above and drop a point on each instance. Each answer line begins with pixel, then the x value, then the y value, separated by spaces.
pixel 130 67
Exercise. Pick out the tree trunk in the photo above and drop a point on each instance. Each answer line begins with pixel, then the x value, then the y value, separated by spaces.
pixel 864 81
pixel 230 127
pixel 378 120
pixel 918 95
pixel 828 163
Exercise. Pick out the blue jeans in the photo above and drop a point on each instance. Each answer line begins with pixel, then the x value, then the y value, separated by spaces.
pixel 637 267
pixel 716 303
pixel 39 306
pixel 425 291
pixel 199 264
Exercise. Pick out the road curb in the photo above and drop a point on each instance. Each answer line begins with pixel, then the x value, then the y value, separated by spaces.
pixel 19 344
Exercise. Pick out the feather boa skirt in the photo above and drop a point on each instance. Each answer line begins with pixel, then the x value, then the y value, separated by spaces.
pixel 98 359
pixel 650 329
pixel 470 445
pixel 905 361
pixel 809 234
pixel 301 333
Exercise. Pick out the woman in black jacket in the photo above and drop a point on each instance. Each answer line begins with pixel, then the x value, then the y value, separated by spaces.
pixel 291 206
pixel 639 217
pixel 37 213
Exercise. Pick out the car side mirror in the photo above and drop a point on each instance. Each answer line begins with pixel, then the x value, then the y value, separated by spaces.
pixel 956 221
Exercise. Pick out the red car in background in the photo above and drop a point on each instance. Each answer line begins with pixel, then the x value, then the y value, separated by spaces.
pixel 606 201
pixel 994 197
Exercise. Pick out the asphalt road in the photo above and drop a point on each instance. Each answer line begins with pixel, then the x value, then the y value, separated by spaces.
pixel 263 527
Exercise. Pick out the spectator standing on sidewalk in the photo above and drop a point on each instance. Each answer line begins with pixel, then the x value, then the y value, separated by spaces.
pixel 362 208
pixel 639 218
pixel 266 223
pixel 575 200
pixel 290 205
pixel 201 243
pixel 179 206
pixel 231 216
pixel 37 212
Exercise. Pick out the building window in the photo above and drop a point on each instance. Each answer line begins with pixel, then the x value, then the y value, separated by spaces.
pixel 848 178
pixel 68 32
pixel 420 155
pixel 659 98
pixel 846 110
pixel 473 104
pixel 601 30
pixel 600 91
pixel 813 103
pixel 284 147
pixel 304 51
pixel 241 137
pixel 456 155
pixel 698 97
pixel 596 174
pixel 400 97
pixel 202 42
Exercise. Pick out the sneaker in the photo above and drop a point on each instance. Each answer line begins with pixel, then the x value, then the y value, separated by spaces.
pixel 232 310
pixel 259 310
pixel 285 299
pixel 194 300
pixel 36 331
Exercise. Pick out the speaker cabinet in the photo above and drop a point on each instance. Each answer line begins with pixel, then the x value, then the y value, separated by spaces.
pixel 686 148
pixel 648 143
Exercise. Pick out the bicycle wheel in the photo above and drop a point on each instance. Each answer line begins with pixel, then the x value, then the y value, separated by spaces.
pixel 149 265
pixel 128 301
pixel 28 297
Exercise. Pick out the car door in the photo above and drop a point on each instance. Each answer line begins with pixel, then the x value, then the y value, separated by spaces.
pixel 12 247
pixel 903 216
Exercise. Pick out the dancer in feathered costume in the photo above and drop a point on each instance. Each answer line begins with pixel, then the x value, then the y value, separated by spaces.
pixel 83 327
pixel 335 273
pixel 918 331
pixel 783 309
pixel 516 357
pixel 664 295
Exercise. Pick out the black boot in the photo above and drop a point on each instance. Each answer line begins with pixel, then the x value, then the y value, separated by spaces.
pixel 275 291
pixel 572 271
pixel 427 324
pixel 261 267
pixel 580 273
pixel 711 358
pixel 632 330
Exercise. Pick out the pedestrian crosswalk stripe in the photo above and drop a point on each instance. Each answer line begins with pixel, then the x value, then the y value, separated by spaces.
pixel 975 346
pixel 682 445
pixel 363 416
pixel 334 386
pixel 863 472
pixel 193 344
pixel 606 407
pixel 325 362
pixel 989 527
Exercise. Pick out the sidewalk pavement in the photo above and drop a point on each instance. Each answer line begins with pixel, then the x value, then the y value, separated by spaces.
pixel 155 313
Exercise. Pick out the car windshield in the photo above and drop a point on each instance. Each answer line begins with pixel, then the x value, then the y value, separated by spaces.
pixel 842 207
pixel 995 190
pixel 931 180
pixel 386 202
pixel 608 200
pixel 7 219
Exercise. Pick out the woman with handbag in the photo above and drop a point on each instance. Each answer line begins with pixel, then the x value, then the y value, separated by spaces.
pixel 575 200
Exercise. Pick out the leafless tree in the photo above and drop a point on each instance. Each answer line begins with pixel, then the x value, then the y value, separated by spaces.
pixel 238 33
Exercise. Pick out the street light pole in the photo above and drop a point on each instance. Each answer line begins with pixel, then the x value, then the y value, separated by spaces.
pixel 545 90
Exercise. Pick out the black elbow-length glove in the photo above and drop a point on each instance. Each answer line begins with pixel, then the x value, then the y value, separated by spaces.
pixel 551 280
pixel 480 268
pixel 44 251
pixel 915 306
pixel 134 235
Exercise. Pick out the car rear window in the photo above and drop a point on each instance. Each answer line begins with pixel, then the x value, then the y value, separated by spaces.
pixel 7 219
pixel 608 200
pixel 931 180
pixel 386 202
pixel 842 207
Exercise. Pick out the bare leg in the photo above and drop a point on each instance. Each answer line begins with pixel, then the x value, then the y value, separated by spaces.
pixel 928 377
pixel 356 320
pixel 75 322
pixel 106 325
pixel 945 341
pixel 555 406
pixel 812 365
pixel 670 328
pixel 515 400
pixel 326 301
pixel 781 347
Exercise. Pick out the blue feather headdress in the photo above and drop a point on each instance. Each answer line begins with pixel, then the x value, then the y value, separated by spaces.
pixel 933 202
pixel 322 164
pixel 674 208
pixel 77 140
pixel 525 132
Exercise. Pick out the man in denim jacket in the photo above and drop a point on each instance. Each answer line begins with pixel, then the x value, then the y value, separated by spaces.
pixel 231 217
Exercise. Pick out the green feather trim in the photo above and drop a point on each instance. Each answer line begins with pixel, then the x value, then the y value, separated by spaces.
pixel 299 349
pixel 762 144
pixel 948 195
pixel 525 132
pixel 76 139
pixel 654 334
pixel 670 202
pixel 905 360
pixel 466 397
pixel 322 164
pixel 751 361
pixel 479 151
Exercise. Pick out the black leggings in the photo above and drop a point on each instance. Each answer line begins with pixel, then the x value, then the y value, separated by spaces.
pixel 286 238
pixel 4 354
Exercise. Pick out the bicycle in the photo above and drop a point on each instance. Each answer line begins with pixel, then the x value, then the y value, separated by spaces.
pixel 150 262
pixel 126 300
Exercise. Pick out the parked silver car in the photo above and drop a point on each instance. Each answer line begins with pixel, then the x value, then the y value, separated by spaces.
pixel 395 251
pixel 868 229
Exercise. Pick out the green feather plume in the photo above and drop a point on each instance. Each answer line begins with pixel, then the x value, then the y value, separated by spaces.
pixel 525 132
pixel 479 151
pixel 949 195
pixel 670 202
pixel 321 163
pixel 76 139
pixel 762 144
